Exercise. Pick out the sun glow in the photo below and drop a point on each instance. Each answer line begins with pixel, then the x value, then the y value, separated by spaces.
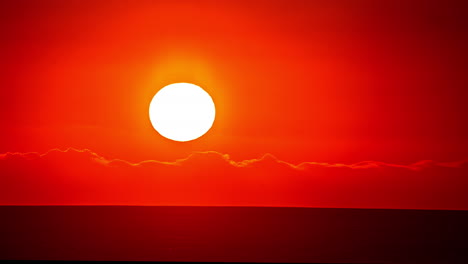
pixel 182 111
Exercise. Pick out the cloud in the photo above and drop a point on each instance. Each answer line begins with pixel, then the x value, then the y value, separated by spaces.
pixel 75 176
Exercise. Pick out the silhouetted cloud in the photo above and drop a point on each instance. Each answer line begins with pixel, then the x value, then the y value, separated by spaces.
pixel 75 176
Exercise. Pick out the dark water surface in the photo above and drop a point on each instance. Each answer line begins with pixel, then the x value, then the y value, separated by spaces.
pixel 232 234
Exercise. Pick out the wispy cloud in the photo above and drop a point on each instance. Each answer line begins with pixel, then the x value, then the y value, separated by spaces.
pixel 220 158
pixel 74 176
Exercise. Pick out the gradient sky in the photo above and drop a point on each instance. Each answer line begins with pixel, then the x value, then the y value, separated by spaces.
pixel 322 81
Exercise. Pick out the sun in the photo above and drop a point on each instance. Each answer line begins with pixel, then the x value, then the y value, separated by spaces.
pixel 182 112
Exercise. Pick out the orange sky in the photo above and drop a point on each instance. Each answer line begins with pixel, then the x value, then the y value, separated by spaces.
pixel 329 81
pixel 324 81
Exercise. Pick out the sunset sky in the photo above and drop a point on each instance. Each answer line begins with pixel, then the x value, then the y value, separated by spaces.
pixel 326 82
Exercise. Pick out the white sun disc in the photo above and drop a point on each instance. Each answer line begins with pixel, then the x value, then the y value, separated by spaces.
pixel 182 111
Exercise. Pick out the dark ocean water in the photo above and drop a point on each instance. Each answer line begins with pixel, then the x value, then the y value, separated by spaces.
pixel 232 234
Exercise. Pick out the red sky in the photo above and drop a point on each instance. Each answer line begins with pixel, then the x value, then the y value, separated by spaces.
pixel 307 81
